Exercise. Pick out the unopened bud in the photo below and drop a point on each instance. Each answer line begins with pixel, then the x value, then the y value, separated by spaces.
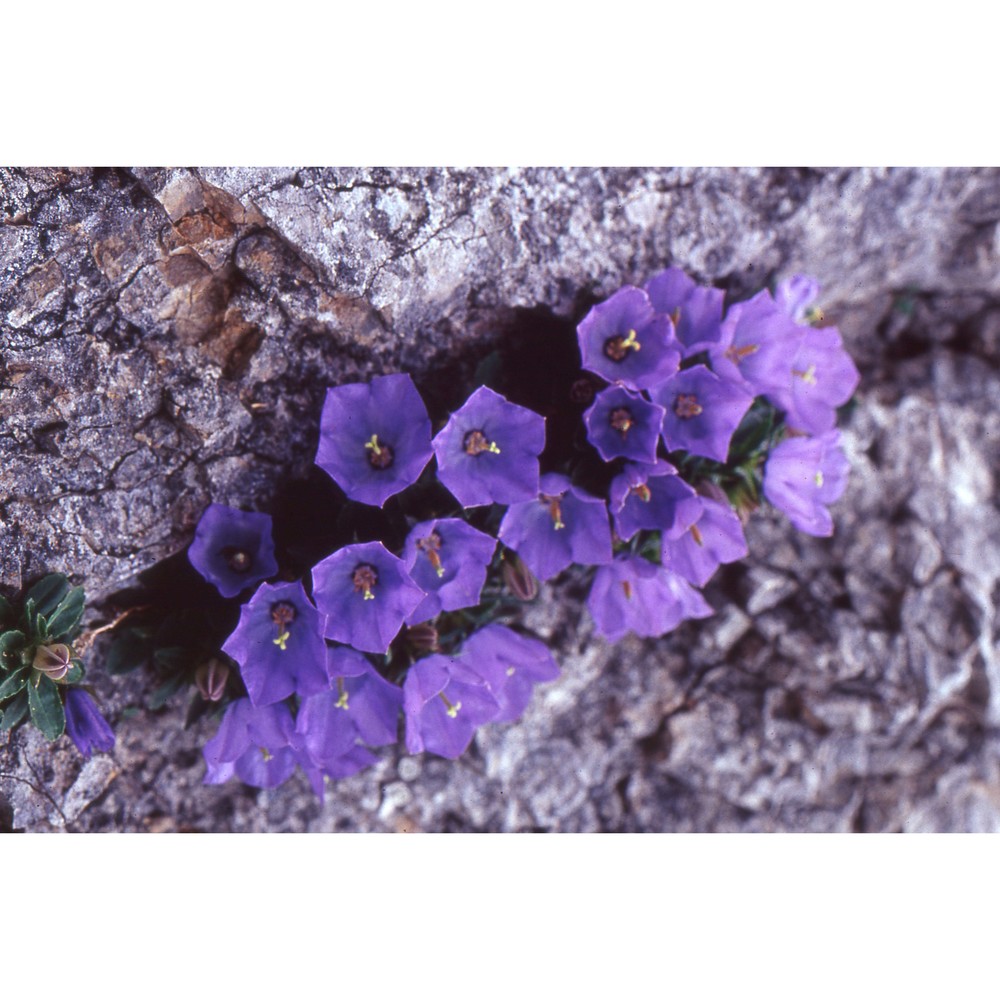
pixel 423 636
pixel 53 660
pixel 519 579
pixel 210 679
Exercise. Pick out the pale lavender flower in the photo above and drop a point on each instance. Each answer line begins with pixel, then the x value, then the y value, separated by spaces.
pixel 621 424
pixel 488 451
pixel 696 311
pixel 232 549
pixel 796 296
pixel 560 526
pixel 715 538
pixel 803 475
pixel 253 744
pixel 366 595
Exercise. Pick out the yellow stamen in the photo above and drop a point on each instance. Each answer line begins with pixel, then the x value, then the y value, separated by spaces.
pixel 630 341
pixel 281 641
pixel 627 587
pixel 696 534
pixel 494 448
pixel 808 376
pixel 675 316
pixel 819 478
pixel 373 444
pixel 555 512
pixel 737 354
pixel 452 710
pixel 642 492
pixel 369 596
pixel 266 754
pixel 510 671
pixel 342 700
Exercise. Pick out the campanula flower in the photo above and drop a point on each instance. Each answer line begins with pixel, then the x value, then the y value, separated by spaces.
pixel 635 595
pixel 511 664
pixel 754 346
pixel 560 526
pixel 488 451
pixel 375 437
pixel 444 703
pixel 622 424
pixel 696 311
pixel 366 595
pixel 796 296
pixel 85 725
pixel 448 559
pixel 279 645
pixel 823 377
pixel 253 744
pixel 702 411
pixel 652 497
pixel 804 474
pixel 232 549
pixel 715 538
pixel 624 341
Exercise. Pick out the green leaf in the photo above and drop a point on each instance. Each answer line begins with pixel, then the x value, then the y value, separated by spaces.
pixel 46 708
pixel 30 615
pixel 173 657
pixel 10 641
pixel 13 712
pixel 165 692
pixel 128 651
pixel 13 683
pixel 48 592
pixel 7 613
pixel 75 673
pixel 67 615
pixel 40 628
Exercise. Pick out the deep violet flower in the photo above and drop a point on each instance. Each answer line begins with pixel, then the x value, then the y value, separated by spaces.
pixel 448 559
pixel 335 727
pixel 511 664
pixel 85 725
pixel 375 437
pixel 253 744
pixel 803 475
pixel 796 295
pixel 702 411
pixel 624 341
pixel 279 645
pixel 366 595
pixel 652 497
pixel 823 377
pixel 755 342
pixel 232 549
pixel 621 424
pixel 695 310
pixel 635 595
pixel 488 451
pixel 715 538
pixel 560 526
pixel 445 702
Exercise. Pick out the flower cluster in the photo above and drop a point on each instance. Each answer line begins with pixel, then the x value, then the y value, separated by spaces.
pixel 689 414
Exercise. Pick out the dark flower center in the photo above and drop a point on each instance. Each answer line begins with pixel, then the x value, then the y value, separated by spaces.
pixel 686 406
pixel 476 442
pixel 238 560
pixel 617 348
pixel 380 455
pixel 283 613
pixel 642 491
pixel 364 579
pixel 431 546
pixel 621 420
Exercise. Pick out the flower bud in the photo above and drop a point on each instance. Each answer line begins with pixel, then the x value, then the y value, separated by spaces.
pixel 423 636
pixel 53 660
pixel 519 579
pixel 210 679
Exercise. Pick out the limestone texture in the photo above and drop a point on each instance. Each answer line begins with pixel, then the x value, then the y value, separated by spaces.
pixel 166 339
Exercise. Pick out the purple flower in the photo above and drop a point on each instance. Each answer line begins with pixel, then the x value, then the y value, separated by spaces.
pixel 703 411
pixel 622 424
pixel 696 311
pixel 253 744
pixel 796 295
pixel 488 451
pixel 445 702
pixel 86 727
pixel 624 341
pixel 803 475
pixel 448 559
pixel 652 497
pixel 333 727
pixel 560 526
pixel 633 594
pixel 715 538
pixel 232 549
pixel 511 664
pixel 374 437
pixel 754 344
pixel 823 377
pixel 366 595
pixel 279 645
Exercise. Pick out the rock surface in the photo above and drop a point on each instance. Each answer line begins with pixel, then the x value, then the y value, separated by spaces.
pixel 166 338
